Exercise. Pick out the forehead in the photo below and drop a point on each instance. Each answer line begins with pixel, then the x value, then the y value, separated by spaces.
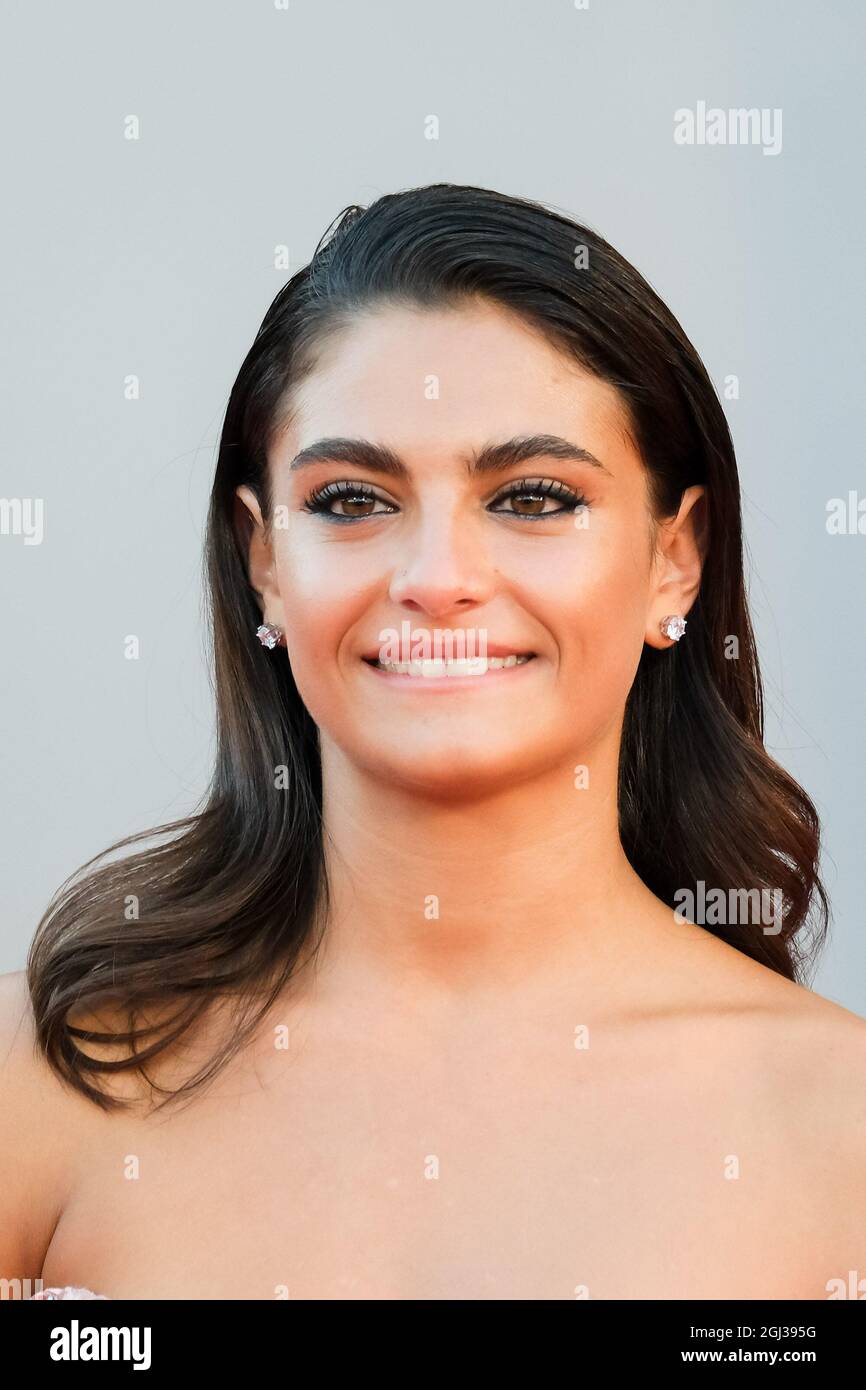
pixel 449 378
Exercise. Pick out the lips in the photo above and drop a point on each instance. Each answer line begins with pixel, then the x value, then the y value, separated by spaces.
pixel 444 672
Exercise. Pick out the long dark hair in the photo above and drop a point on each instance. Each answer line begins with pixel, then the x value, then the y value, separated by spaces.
pixel 233 904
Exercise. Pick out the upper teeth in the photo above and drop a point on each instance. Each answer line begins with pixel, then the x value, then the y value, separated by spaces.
pixel 438 666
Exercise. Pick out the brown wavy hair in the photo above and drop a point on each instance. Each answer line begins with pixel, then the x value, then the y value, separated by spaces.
pixel 235 901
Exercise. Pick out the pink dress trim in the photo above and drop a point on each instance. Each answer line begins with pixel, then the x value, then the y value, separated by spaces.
pixel 66 1291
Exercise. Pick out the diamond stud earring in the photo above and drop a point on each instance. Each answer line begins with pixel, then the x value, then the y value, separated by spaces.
pixel 269 635
pixel 672 626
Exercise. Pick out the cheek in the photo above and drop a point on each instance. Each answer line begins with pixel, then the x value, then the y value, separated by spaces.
pixel 591 593
pixel 324 598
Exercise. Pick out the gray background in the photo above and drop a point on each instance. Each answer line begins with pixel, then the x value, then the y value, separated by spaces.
pixel 258 125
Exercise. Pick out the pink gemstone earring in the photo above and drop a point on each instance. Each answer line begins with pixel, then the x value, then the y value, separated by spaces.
pixel 673 626
pixel 269 635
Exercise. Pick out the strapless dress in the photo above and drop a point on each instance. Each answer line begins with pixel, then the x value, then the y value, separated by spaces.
pixel 66 1291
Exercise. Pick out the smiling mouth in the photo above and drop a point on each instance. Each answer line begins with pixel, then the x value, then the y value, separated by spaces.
pixel 442 668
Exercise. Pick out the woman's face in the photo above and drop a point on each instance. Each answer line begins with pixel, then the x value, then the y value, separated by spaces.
pixel 546 554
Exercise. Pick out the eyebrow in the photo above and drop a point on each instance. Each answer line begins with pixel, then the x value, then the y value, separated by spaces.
pixel 493 458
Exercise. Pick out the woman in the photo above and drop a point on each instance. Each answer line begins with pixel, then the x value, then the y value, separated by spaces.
pixel 480 977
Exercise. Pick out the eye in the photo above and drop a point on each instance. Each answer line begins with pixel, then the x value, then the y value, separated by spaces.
pixel 358 500
pixel 529 498
pixel 532 495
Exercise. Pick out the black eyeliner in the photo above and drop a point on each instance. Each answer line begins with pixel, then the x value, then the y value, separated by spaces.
pixel 318 501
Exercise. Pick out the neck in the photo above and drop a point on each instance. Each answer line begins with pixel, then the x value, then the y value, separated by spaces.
pixel 525 889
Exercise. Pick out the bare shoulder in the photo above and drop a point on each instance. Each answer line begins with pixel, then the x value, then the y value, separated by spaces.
pixel 803 1060
pixel 816 1049
pixel 42 1124
pixel 48 1128
pixel 815 1057
pixel 809 1048
pixel 28 1086
pixel 807 1036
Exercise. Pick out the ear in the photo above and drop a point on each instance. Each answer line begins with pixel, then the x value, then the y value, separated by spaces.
pixel 681 547
pixel 256 543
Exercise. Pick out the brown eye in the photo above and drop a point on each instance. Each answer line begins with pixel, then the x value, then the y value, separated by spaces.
pixel 530 499
pixel 528 503
pixel 355 500
pixel 355 506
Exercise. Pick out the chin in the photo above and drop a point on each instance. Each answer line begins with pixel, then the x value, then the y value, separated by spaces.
pixel 457 771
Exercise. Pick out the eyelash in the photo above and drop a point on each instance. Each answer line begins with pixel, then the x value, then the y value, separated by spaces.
pixel 319 502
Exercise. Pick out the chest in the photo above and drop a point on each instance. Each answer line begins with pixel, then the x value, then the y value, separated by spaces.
pixel 520 1176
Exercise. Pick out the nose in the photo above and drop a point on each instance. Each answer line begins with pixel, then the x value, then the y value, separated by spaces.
pixel 444 569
